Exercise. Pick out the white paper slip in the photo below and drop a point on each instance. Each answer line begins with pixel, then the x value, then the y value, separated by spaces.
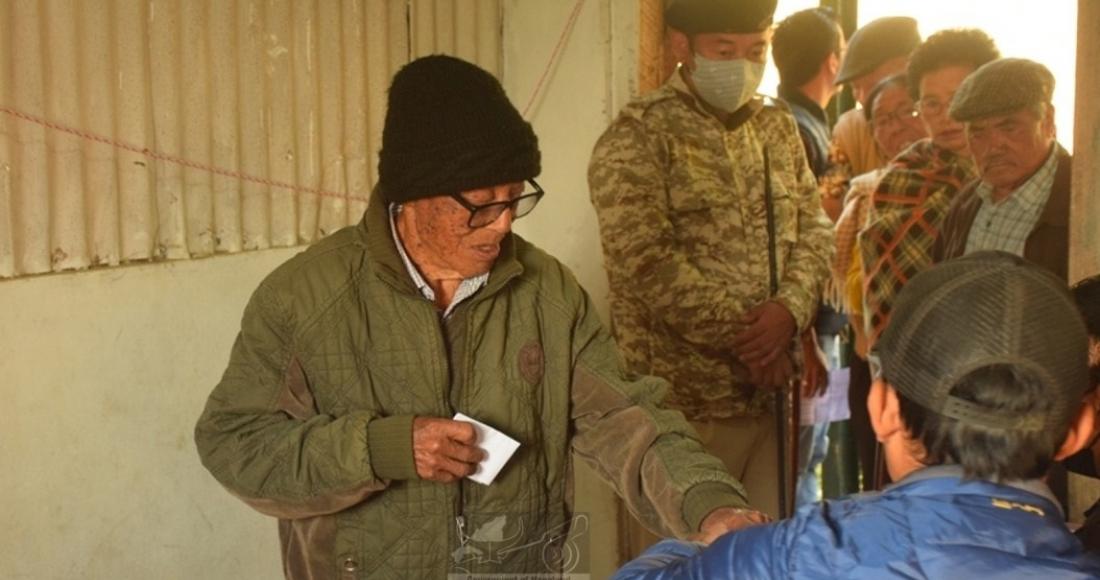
pixel 497 446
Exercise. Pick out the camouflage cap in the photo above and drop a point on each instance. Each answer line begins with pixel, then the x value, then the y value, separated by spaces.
pixel 984 309
pixel 875 43
pixel 1002 86
pixel 720 16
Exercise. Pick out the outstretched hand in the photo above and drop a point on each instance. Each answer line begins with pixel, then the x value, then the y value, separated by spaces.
pixel 724 520
pixel 445 450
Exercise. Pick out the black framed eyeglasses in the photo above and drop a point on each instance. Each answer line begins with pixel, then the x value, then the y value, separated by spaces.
pixel 483 215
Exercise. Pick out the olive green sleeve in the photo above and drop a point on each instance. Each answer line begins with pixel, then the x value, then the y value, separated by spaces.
pixel 649 454
pixel 262 437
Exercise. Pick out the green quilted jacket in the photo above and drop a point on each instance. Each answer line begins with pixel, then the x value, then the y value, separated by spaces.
pixel 338 351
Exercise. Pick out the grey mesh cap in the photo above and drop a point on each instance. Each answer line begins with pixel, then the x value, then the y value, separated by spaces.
pixel 983 309
pixel 875 43
pixel 1000 87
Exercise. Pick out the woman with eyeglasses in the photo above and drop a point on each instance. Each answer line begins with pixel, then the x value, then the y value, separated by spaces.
pixel 908 205
pixel 895 126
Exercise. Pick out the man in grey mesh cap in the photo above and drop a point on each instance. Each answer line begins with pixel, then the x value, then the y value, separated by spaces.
pixel 981 383
pixel 1020 204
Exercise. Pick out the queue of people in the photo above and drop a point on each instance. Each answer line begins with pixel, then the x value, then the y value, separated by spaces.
pixel 925 236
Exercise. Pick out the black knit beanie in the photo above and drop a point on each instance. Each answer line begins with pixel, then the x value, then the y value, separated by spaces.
pixel 450 128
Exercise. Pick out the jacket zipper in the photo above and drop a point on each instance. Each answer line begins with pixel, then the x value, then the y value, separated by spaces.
pixel 453 372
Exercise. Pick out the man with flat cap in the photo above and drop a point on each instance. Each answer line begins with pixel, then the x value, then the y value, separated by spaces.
pixel 1020 202
pixel 879 49
pixel 714 240
pixel 338 413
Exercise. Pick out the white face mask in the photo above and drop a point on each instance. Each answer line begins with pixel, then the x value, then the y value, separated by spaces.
pixel 726 84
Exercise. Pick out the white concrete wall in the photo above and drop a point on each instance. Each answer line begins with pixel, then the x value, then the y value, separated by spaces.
pixel 104 373
pixel 103 376
pixel 592 79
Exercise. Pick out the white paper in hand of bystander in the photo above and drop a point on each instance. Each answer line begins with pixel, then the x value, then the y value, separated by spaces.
pixel 497 446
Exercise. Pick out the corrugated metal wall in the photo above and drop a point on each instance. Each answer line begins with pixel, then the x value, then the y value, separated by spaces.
pixel 166 129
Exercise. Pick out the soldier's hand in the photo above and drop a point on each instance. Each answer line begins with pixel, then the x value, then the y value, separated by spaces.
pixel 781 371
pixel 444 450
pixel 770 327
pixel 773 376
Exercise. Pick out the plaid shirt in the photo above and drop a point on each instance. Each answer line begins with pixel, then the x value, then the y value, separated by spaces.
pixel 1006 225
pixel 907 211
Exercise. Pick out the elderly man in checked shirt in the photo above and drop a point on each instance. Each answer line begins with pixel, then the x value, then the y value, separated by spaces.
pixel 1020 204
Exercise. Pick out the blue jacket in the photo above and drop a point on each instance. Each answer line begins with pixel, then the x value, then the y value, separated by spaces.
pixel 932 524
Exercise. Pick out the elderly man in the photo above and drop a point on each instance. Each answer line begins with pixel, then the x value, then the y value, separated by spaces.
pixel 877 50
pixel 714 240
pixel 335 414
pixel 1020 204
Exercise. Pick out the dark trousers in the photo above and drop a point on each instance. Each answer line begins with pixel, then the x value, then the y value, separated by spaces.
pixel 860 423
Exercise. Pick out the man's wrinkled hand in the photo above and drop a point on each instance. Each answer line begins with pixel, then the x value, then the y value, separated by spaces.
pixel 723 520
pixel 770 327
pixel 445 450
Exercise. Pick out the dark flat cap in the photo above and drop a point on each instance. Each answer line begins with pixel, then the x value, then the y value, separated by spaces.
pixel 1000 87
pixel 720 16
pixel 877 42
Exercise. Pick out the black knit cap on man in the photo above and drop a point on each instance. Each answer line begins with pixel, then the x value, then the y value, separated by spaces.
pixel 450 128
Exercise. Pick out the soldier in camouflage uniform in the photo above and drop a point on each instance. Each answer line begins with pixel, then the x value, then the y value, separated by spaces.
pixel 678 182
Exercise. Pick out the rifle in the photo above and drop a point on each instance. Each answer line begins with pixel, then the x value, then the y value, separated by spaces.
pixel 787 399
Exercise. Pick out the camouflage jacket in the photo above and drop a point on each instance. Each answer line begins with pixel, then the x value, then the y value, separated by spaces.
pixel 681 205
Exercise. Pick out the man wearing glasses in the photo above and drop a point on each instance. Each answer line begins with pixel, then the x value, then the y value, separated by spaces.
pixel 338 411
pixel 714 240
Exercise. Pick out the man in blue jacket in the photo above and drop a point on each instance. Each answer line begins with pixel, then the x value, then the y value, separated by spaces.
pixel 981 382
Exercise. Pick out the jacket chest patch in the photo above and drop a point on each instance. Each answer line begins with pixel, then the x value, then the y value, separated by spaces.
pixel 531 362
